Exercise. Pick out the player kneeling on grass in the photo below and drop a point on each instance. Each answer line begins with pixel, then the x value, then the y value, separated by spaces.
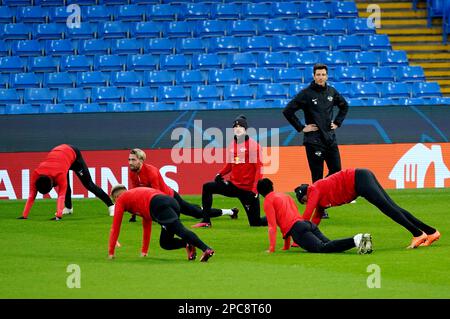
pixel 281 211
pixel 345 186
pixel 152 204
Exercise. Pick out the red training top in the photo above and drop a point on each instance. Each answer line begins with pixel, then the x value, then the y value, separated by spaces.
pixel 280 210
pixel 56 165
pixel 244 163
pixel 334 190
pixel 137 202
pixel 149 176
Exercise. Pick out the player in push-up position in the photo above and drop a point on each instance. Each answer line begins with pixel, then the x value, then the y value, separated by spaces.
pixel 53 172
pixel 343 187
pixel 152 204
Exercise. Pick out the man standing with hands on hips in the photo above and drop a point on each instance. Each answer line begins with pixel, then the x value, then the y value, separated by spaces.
pixel 317 102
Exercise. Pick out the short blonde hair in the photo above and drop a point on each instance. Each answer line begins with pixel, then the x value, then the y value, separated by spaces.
pixel 117 188
pixel 140 154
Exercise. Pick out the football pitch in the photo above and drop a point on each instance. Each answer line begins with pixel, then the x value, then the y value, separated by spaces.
pixel 35 255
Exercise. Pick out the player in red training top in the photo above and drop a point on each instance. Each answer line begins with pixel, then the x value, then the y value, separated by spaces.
pixel 54 172
pixel 281 211
pixel 152 204
pixel 245 168
pixel 345 186
pixel 146 175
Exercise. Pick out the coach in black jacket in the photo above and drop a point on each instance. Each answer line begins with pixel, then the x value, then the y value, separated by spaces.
pixel 317 102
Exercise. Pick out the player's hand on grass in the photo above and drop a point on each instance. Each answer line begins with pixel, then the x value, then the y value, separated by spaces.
pixel 143 254
pixel 118 244
pixel 310 128
pixel 269 251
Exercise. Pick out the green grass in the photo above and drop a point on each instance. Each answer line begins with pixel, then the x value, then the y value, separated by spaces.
pixel 35 253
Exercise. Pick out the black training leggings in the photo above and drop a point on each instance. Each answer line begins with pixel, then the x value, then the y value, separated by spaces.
pixel 317 155
pixel 367 186
pixel 81 170
pixel 194 210
pixel 226 188
pixel 308 236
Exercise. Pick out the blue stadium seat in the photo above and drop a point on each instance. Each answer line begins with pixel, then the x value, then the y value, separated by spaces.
pixel 159 78
pixel 194 11
pixel 296 88
pixel 50 31
pixel 172 94
pixel 85 31
pixel 302 59
pixel 57 80
pixel 24 80
pixel 333 58
pixel 205 61
pixel 125 78
pixel 358 26
pixel 16 31
pixel 113 29
pixel 130 13
pixel 142 62
pixel 75 63
pixel 342 88
pixel 88 108
pixel 96 13
pixel 156 106
pixel 53 108
pixel 191 105
pixel 11 64
pixel 426 89
pixel 273 60
pixel 349 74
pixel 316 43
pixel 34 14
pixel 205 93
pixel 94 47
pixel 27 48
pixel 223 77
pixel 272 27
pixel 4 48
pixel 356 102
pixel 21 109
pixel 301 27
pixel 410 74
pixel 348 43
pixel 7 15
pixel 365 90
pixel 59 47
pixel 108 63
pixel 91 79
pixel 38 96
pixel 256 44
pixel 127 46
pixel 40 64
pixel 72 96
pixel 257 75
pixel 377 42
pixel 255 104
pixel 92 2
pixel 395 90
pixel 434 10
pixel 439 101
pixel 245 28
pixel 363 58
pixel 393 58
pixel 147 29
pixel 332 27
pixel 412 101
pixel 159 46
pixel 288 75
pixel 139 94
pixel 284 10
pixel 174 62
pixel 225 11
pixel 59 14
pixel 106 94
pixel 222 105
pixel 122 107
pixel 161 12
pixel 380 74
pixel 9 96
pixel 4 80
pixel 344 9
pixel 224 45
pixel 237 92
pixel 179 29
pixel 272 91
pixel 242 60
pixel 313 10
pixel 381 102
pixel 189 77
pixel 105 2
pixel 286 43
pixel 257 10
pixel 190 46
